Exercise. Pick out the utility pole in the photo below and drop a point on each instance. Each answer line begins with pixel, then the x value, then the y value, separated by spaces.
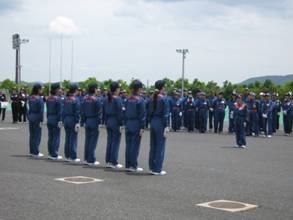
pixel 16 42
pixel 183 52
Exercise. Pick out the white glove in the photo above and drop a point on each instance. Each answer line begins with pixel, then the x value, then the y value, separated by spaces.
pixel 166 131
pixel 211 109
pixel 77 126
pixel 264 115
pixel 121 128
pixel 141 132
pixel 60 124
pixel 180 114
pixel 285 112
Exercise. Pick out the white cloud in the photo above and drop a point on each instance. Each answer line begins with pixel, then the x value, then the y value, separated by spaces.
pixel 63 25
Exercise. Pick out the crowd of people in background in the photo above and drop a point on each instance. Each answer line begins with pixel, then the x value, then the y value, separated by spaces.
pixel 249 114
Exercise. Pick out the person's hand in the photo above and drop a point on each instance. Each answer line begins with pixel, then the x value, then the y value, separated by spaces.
pixel 121 128
pixel 60 124
pixel 264 115
pixel 180 114
pixel 141 132
pixel 77 126
pixel 166 131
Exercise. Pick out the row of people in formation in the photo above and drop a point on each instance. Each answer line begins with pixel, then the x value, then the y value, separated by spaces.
pixel 262 116
pixel 71 113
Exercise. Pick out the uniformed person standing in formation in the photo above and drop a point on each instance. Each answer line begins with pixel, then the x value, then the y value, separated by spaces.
pixel 253 107
pixel 114 123
pixel 219 106
pixel 54 121
pixel 231 106
pixel 3 105
pixel 35 117
pixel 189 113
pixel 287 107
pixel 176 111
pixel 91 118
pixel 14 105
pixel 240 113
pixel 135 115
pixel 203 108
pixel 267 115
pixel 159 113
pixel 70 119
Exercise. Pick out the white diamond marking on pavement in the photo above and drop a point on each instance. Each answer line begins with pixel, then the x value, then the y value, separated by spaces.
pixel 79 180
pixel 226 205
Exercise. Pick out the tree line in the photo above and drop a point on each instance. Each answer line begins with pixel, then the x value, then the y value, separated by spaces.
pixel 210 88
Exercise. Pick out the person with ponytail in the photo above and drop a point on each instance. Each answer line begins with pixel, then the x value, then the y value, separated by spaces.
pixel 91 117
pixel 35 117
pixel 134 126
pixel 70 119
pixel 54 109
pixel 159 113
pixel 114 121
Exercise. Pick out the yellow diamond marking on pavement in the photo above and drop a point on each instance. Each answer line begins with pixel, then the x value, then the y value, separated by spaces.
pixel 229 206
pixel 79 180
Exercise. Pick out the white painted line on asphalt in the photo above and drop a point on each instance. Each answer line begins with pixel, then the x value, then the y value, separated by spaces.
pixel 79 180
pixel 7 129
pixel 226 205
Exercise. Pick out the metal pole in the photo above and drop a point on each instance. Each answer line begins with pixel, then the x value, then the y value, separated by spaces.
pixel 182 85
pixel 50 57
pixel 61 56
pixel 16 65
pixel 72 59
pixel 19 67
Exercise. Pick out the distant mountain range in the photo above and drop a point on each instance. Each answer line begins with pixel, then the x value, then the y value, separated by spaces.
pixel 279 80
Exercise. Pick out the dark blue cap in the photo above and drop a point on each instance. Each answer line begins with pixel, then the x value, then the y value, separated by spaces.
pixel 73 86
pixel 114 86
pixel 136 84
pixel 159 84
pixel 93 86
pixel 55 86
pixel 37 85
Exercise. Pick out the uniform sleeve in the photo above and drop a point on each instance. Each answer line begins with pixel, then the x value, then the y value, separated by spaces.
pixel 41 116
pixel 99 111
pixel 77 111
pixel 59 110
pixel 82 114
pixel 119 111
pixel 142 113
pixel 166 111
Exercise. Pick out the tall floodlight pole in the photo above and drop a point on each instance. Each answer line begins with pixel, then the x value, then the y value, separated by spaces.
pixel 61 57
pixel 16 42
pixel 50 61
pixel 183 52
pixel 72 60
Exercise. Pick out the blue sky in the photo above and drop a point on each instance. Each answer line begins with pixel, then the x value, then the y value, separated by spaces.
pixel 227 39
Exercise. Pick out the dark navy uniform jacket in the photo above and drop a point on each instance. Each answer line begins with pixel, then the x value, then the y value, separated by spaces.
pixel 113 109
pixel 35 111
pixel 162 109
pixel 240 112
pixel 267 108
pixel 70 111
pixel 135 111
pixel 219 104
pixel 202 104
pixel 287 107
pixel 54 109
pixel 91 111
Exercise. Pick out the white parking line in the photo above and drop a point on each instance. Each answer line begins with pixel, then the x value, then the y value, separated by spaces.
pixel 8 129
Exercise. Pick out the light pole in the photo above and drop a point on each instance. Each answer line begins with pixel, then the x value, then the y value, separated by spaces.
pixel 16 42
pixel 183 52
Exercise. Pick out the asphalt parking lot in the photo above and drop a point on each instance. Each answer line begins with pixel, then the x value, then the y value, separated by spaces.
pixel 201 168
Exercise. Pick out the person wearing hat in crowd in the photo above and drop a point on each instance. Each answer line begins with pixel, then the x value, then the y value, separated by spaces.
pixel 114 122
pixel 80 94
pixel 70 120
pixel 91 118
pixel 22 96
pixel 287 107
pixel 276 111
pixel 159 113
pixel 219 106
pixel 240 112
pixel 211 111
pixel 260 118
pixel 176 111
pixel 123 95
pixel 267 110
pixel 3 105
pixel 184 100
pixel 246 95
pixel 15 105
pixel 231 106
pixel 35 117
pixel 135 114
pixel 253 109
pixel 189 111
pixel 203 108
pixel 147 99
pixel 54 122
